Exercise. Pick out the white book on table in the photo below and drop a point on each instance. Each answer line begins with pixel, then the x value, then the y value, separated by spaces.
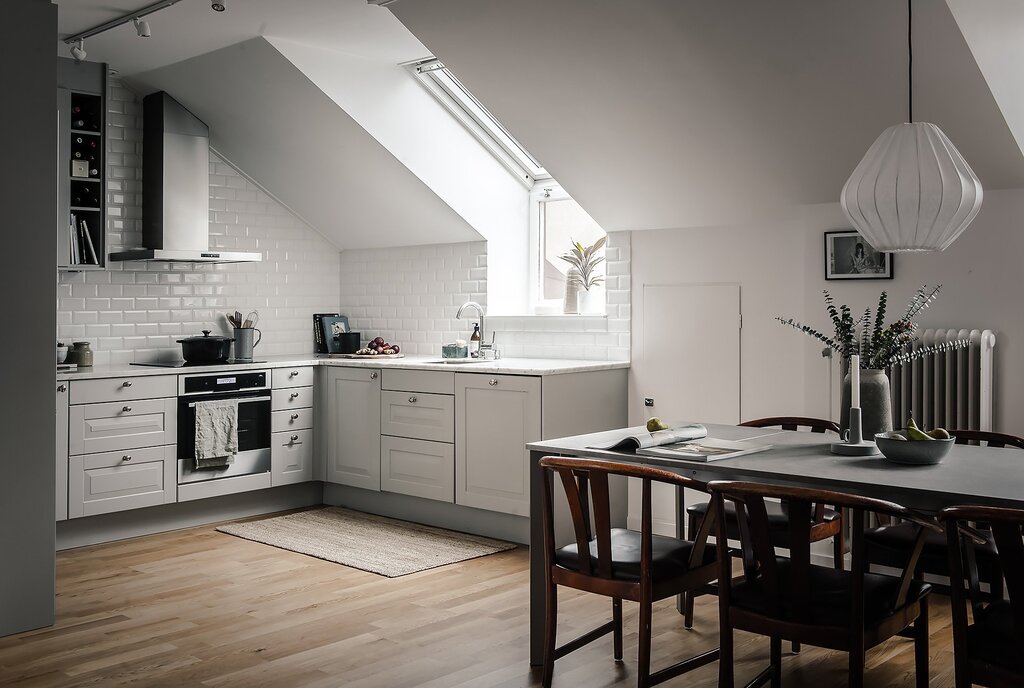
pixel 706 449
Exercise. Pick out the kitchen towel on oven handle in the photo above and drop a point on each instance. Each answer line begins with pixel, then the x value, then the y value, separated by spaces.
pixel 216 433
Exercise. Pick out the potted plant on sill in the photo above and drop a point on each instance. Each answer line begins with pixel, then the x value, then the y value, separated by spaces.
pixel 584 276
pixel 880 347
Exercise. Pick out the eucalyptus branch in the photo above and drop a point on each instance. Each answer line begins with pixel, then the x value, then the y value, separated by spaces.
pixel 906 357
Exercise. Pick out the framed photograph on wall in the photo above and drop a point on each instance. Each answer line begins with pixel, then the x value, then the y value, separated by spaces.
pixel 848 255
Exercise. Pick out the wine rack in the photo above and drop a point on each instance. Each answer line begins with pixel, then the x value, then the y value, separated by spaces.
pixel 81 169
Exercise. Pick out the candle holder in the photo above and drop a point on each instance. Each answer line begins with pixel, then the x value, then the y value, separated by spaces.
pixel 854 443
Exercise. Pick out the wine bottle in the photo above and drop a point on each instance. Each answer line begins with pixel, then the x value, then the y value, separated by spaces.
pixel 93 172
pixel 79 140
pixel 78 154
pixel 78 124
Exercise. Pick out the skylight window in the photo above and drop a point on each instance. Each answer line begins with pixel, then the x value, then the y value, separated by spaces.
pixel 475 117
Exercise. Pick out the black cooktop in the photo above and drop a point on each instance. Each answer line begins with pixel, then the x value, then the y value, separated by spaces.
pixel 186 364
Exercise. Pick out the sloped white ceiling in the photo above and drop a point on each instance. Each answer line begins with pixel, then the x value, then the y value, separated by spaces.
pixel 270 120
pixel 670 113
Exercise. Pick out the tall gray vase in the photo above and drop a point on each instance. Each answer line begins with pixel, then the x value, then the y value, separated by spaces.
pixel 875 403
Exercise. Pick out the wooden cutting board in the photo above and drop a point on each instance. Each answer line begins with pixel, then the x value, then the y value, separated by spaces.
pixel 366 356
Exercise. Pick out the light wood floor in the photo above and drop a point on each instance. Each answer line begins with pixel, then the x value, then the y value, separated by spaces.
pixel 200 608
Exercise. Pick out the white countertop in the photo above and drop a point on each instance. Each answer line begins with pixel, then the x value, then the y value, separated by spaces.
pixel 508 366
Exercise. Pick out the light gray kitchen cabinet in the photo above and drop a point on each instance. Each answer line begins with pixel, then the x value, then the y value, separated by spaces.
pixel 495 416
pixel 351 427
pixel 119 480
pixel 418 467
pixel 61 483
pixel 418 416
pixel 291 398
pixel 301 376
pixel 291 457
pixel 122 425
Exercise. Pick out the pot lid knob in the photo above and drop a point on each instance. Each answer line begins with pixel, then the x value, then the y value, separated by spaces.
pixel 206 333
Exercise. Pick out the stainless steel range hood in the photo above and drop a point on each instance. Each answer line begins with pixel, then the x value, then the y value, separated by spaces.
pixel 176 188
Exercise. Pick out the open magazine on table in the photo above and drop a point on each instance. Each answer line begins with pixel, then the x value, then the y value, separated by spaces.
pixel 705 449
pixel 644 439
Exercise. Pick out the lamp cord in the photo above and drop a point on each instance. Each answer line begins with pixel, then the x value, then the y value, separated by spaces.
pixel 910 63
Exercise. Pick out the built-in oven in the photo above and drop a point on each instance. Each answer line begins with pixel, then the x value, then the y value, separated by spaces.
pixel 252 390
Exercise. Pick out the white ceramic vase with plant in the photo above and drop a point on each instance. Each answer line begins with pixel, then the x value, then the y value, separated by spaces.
pixel 585 260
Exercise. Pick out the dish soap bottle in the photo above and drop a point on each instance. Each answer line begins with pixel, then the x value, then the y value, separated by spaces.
pixel 474 341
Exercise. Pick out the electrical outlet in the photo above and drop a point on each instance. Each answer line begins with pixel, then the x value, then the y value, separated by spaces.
pixel 648 401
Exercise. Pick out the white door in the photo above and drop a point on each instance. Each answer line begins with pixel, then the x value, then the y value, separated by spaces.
pixel 688 360
pixel 353 427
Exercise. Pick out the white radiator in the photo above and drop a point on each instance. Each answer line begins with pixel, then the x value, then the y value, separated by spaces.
pixel 951 389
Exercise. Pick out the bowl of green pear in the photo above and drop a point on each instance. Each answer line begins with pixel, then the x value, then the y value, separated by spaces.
pixel 913 446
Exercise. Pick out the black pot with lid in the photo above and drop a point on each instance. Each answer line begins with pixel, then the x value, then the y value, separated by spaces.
pixel 205 349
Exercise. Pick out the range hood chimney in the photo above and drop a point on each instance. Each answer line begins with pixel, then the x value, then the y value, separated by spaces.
pixel 176 188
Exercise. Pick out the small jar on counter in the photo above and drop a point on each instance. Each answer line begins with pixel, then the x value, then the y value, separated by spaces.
pixel 81 354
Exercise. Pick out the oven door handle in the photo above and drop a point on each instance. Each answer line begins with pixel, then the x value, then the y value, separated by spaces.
pixel 246 400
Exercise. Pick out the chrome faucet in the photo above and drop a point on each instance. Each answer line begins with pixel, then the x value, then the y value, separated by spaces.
pixel 480 312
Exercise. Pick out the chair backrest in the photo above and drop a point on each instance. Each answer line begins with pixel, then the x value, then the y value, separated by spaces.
pixel 761 563
pixel 991 439
pixel 793 423
pixel 1005 528
pixel 585 483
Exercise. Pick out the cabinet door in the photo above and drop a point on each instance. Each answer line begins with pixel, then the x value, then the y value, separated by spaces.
pixel 418 416
pixel 418 468
pixel 114 426
pixel 62 452
pixel 353 427
pixel 291 457
pixel 116 481
pixel 495 416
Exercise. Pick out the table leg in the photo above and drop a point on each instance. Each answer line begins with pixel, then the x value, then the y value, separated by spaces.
pixel 681 534
pixel 536 561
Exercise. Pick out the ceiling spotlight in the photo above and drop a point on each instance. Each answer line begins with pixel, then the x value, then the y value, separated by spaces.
pixel 142 28
pixel 78 50
pixel 219 5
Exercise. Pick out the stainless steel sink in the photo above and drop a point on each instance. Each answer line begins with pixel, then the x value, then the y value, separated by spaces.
pixel 460 361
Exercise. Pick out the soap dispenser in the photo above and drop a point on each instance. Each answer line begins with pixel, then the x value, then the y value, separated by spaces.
pixel 474 341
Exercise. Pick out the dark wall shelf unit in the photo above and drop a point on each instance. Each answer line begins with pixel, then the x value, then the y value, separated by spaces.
pixel 81 165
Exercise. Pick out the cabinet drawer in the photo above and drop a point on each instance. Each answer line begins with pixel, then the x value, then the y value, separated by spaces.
pixel 292 377
pixel 123 389
pixel 292 419
pixel 291 397
pixel 110 427
pixel 418 468
pixel 425 381
pixel 418 416
pixel 291 457
pixel 120 480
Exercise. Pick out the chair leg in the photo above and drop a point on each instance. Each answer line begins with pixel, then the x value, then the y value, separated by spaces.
pixel 839 550
pixel 921 645
pixel 550 618
pixel 996 589
pixel 617 633
pixel 643 671
pixel 795 647
pixel 688 597
pixel 856 659
pixel 725 651
pixel 776 660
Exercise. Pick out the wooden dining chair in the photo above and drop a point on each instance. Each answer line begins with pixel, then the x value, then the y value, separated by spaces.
pixel 788 598
pixel 887 542
pixel 827 522
pixel 618 563
pixel 989 651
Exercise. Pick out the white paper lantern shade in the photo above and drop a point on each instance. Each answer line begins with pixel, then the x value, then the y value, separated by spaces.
pixel 913 191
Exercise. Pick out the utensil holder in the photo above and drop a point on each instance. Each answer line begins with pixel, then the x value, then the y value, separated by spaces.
pixel 246 339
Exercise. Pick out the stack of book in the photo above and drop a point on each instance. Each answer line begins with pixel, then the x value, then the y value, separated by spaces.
pixel 83 252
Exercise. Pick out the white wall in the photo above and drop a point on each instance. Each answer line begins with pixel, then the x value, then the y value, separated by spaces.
pixel 779 265
pixel 410 296
pixel 389 102
pixel 135 311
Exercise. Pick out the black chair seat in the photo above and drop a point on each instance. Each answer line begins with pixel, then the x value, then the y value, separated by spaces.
pixel 990 638
pixel 830 595
pixel 778 520
pixel 670 556
pixel 888 546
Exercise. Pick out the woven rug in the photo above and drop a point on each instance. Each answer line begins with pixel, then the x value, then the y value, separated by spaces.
pixel 363 541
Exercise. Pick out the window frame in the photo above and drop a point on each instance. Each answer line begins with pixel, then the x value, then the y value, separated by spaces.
pixel 478 121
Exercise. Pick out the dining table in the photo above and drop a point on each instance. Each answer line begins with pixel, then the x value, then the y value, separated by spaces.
pixel 967 475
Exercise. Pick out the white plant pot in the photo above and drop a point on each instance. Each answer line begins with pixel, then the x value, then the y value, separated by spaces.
pixel 591 301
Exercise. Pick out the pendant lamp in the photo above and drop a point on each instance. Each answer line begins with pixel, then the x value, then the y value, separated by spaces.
pixel 913 191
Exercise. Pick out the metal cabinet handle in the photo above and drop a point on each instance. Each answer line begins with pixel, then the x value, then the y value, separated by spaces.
pixel 294 395
pixel 126 383
pixel 295 438
pixel 492 382
pixel 373 376
pixel 295 416
pixel 62 388
pixel 126 457
pixel 294 373
pixel 412 400
pixel 126 409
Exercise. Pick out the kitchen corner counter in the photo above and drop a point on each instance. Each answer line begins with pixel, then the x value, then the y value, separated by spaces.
pixel 506 366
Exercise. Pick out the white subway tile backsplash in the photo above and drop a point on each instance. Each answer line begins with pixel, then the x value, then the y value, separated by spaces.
pixel 135 311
